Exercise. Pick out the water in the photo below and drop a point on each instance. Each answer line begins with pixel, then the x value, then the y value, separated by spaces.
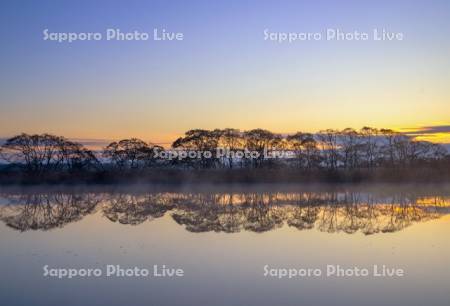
pixel 222 237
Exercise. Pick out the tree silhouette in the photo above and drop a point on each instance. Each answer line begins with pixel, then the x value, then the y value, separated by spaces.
pixel 43 153
pixel 200 141
pixel 259 141
pixel 131 153
pixel 306 149
pixel 330 151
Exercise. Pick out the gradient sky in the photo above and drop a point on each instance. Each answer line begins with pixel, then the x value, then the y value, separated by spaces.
pixel 223 74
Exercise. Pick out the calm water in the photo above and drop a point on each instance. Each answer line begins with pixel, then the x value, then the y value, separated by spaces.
pixel 222 237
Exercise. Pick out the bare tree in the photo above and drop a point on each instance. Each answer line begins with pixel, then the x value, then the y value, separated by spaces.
pixel 351 147
pixel 370 144
pixel 130 153
pixel 231 139
pixel 328 140
pixel 259 140
pixel 388 147
pixel 306 149
pixel 76 157
pixel 201 141
pixel 41 153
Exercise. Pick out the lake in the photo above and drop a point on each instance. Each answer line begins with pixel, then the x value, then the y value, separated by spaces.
pixel 235 245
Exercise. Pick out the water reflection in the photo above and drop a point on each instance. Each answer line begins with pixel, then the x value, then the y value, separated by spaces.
pixel 45 211
pixel 345 211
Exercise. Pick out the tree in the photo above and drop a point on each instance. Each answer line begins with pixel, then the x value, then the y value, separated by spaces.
pixel 328 140
pixel 201 141
pixel 230 139
pixel 370 145
pixel 438 152
pixel 351 145
pixel 75 157
pixel 306 149
pixel 42 153
pixel 388 148
pixel 259 140
pixel 130 153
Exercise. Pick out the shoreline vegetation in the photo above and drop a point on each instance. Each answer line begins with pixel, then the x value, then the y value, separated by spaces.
pixel 229 156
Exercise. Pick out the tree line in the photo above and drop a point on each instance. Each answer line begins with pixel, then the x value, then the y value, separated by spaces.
pixel 327 149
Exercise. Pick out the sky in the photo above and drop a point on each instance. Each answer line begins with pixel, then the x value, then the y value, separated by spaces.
pixel 223 73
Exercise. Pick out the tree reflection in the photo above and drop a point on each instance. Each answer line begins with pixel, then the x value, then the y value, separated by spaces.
pixel 135 209
pixel 46 211
pixel 331 212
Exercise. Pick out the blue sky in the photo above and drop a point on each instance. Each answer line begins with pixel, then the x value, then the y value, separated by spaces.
pixel 223 73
